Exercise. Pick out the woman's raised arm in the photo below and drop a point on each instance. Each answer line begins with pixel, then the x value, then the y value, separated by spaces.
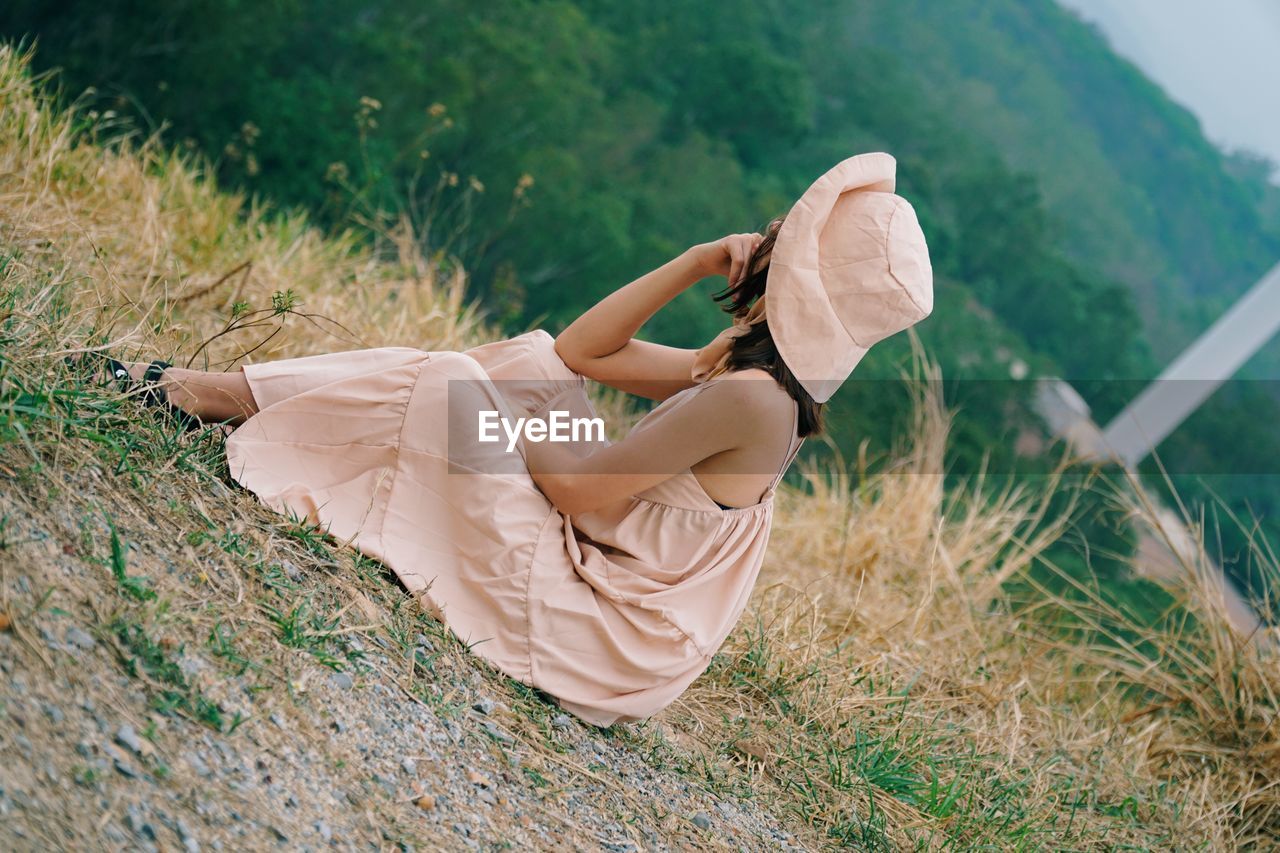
pixel 601 344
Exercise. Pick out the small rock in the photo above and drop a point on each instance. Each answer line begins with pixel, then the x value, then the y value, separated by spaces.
pixel 484 705
pixel 85 749
pixel 342 680
pixel 197 764
pixel 50 640
pixel 478 779
pixel 189 840
pixel 426 802
pixel 338 726
pixel 80 638
pixel 54 713
pixel 129 739
pixel 702 821
pixel 137 824
pixel 561 721
pixel 275 718
pixel 6 621
pixel 409 766
pixel 497 734
pixel 192 666
pixel 125 769
pixel 291 571
pixel 326 834
pixel 424 641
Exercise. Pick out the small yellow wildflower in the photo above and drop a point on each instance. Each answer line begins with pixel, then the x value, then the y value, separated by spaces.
pixel 522 185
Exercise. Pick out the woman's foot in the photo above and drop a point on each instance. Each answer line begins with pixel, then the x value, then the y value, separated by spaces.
pixel 136 369
pixel 158 389
pixel 211 397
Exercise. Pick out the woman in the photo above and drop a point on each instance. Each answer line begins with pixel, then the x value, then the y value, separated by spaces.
pixel 606 575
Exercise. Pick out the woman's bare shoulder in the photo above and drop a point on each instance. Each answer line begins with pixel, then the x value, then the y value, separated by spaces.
pixel 754 391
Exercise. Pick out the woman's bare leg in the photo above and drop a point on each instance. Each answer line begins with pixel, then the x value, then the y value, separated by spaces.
pixel 211 397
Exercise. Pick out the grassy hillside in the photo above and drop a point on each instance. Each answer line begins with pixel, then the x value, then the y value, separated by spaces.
pixel 183 666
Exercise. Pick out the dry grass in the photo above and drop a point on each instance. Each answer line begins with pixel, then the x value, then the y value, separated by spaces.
pixel 169 279
pixel 891 692
pixel 882 687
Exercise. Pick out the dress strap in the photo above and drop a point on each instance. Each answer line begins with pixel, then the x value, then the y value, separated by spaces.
pixel 796 442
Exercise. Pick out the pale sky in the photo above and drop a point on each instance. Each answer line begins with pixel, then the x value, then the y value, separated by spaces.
pixel 1218 58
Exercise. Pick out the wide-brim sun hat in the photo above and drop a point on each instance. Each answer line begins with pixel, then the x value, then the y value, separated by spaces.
pixel 849 268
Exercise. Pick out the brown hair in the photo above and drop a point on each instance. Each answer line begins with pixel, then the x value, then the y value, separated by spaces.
pixel 755 348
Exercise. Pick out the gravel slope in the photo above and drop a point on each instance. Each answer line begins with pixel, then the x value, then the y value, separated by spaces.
pixel 119 703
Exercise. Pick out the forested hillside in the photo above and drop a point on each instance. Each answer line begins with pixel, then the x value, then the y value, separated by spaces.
pixel 643 128
pixel 1135 189
pixel 1078 220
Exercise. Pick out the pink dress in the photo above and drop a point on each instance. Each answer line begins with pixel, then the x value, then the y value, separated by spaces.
pixel 613 612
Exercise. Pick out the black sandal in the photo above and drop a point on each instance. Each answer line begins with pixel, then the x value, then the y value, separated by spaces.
pixel 152 393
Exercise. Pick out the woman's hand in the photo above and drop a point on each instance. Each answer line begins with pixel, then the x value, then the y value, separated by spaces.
pixel 727 256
